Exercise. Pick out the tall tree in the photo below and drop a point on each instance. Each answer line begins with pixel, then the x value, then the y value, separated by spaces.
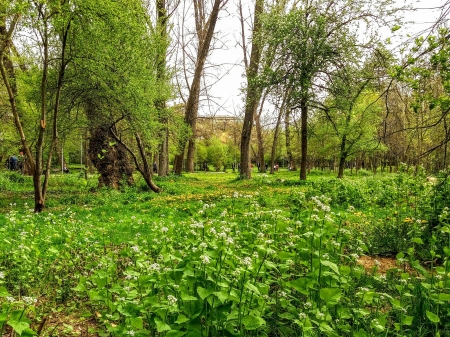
pixel 253 93
pixel 205 27
pixel 312 38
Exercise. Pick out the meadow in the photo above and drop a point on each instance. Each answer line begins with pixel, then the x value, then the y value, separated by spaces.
pixel 213 255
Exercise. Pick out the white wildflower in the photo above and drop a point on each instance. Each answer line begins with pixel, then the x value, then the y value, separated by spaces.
pixel 205 259
pixel 172 300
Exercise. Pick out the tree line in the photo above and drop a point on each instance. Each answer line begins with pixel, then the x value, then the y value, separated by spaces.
pixel 318 72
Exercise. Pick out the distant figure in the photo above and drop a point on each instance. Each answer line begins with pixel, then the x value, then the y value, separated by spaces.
pixel 205 166
pixel 155 167
pixel 65 169
pixel 13 163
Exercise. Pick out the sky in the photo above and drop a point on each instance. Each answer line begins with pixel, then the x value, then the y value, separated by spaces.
pixel 227 91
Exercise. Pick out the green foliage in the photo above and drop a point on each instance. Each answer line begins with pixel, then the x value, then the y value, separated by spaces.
pixel 220 256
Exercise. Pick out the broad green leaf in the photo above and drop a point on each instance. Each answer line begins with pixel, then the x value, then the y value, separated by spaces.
pixel 331 265
pixel 137 323
pixel 407 320
pixel 444 297
pixel 175 333
pixel 251 287
pixel 186 297
pixel 181 319
pixel 18 326
pixel 203 293
pixel 330 295
pixel 3 292
pixel 161 326
pixel 301 285
pixel 360 333
pixel 433 317
pixel 252 322
pixel 417 240
pixel 221 295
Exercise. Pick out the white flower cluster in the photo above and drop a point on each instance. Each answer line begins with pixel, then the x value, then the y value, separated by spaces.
pixel 320 203
pixel 172 300
pixel 205 259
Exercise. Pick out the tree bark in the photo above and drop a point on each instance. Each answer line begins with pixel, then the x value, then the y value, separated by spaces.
pixel 191 110
pixel 108 156
pixel 252 96
pixel 304 137
pixel 287 131
pixel 163 158
pixel 275 140
pixel 258 127
pixel 7 72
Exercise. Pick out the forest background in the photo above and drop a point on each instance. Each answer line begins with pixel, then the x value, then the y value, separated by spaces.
pixel 332 85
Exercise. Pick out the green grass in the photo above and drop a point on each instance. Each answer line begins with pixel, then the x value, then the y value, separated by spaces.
pixel 213 255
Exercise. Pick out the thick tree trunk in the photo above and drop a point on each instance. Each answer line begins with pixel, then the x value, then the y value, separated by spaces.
pixel 253 95
pixel 107 155
pixel 109 158
pixel 163 158
pixel 304 138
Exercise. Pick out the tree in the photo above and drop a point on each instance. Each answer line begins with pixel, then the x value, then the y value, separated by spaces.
pixel 253 93
pixel 205 29
pixel 354 112
pixel 51 23
pixel 310 40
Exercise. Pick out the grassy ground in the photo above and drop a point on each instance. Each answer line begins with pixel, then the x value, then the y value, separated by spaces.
pixel 213 255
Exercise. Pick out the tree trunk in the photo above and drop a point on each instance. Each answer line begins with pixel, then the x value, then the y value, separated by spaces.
pixel 304 137
pixel 262 164
pixel 342 158
pixel 163 158
pixel 8 77
pixel 275 140
pixel 107 155
pixel 191 111
pixel 287 131
pixel 252 96
pixel 110 159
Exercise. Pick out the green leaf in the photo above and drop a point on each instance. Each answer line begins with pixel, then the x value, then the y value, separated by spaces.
pixel 331 265
pixel 28 333
pixel 203 293
pixel 221 295
pixel 161 326
pixel 80 286
pixel 407 320
pixel 252 322
pixel 3 292
pixel 417 240
pixel 18 326
pixel 301 285
pixel 433 317
pixel 360 333
pixel 395 28
pixel 175 333
pixel 181 319
pixel 137 323
pixel 444 297
pixel 251 287
pixel 330 295
pixel 186 297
